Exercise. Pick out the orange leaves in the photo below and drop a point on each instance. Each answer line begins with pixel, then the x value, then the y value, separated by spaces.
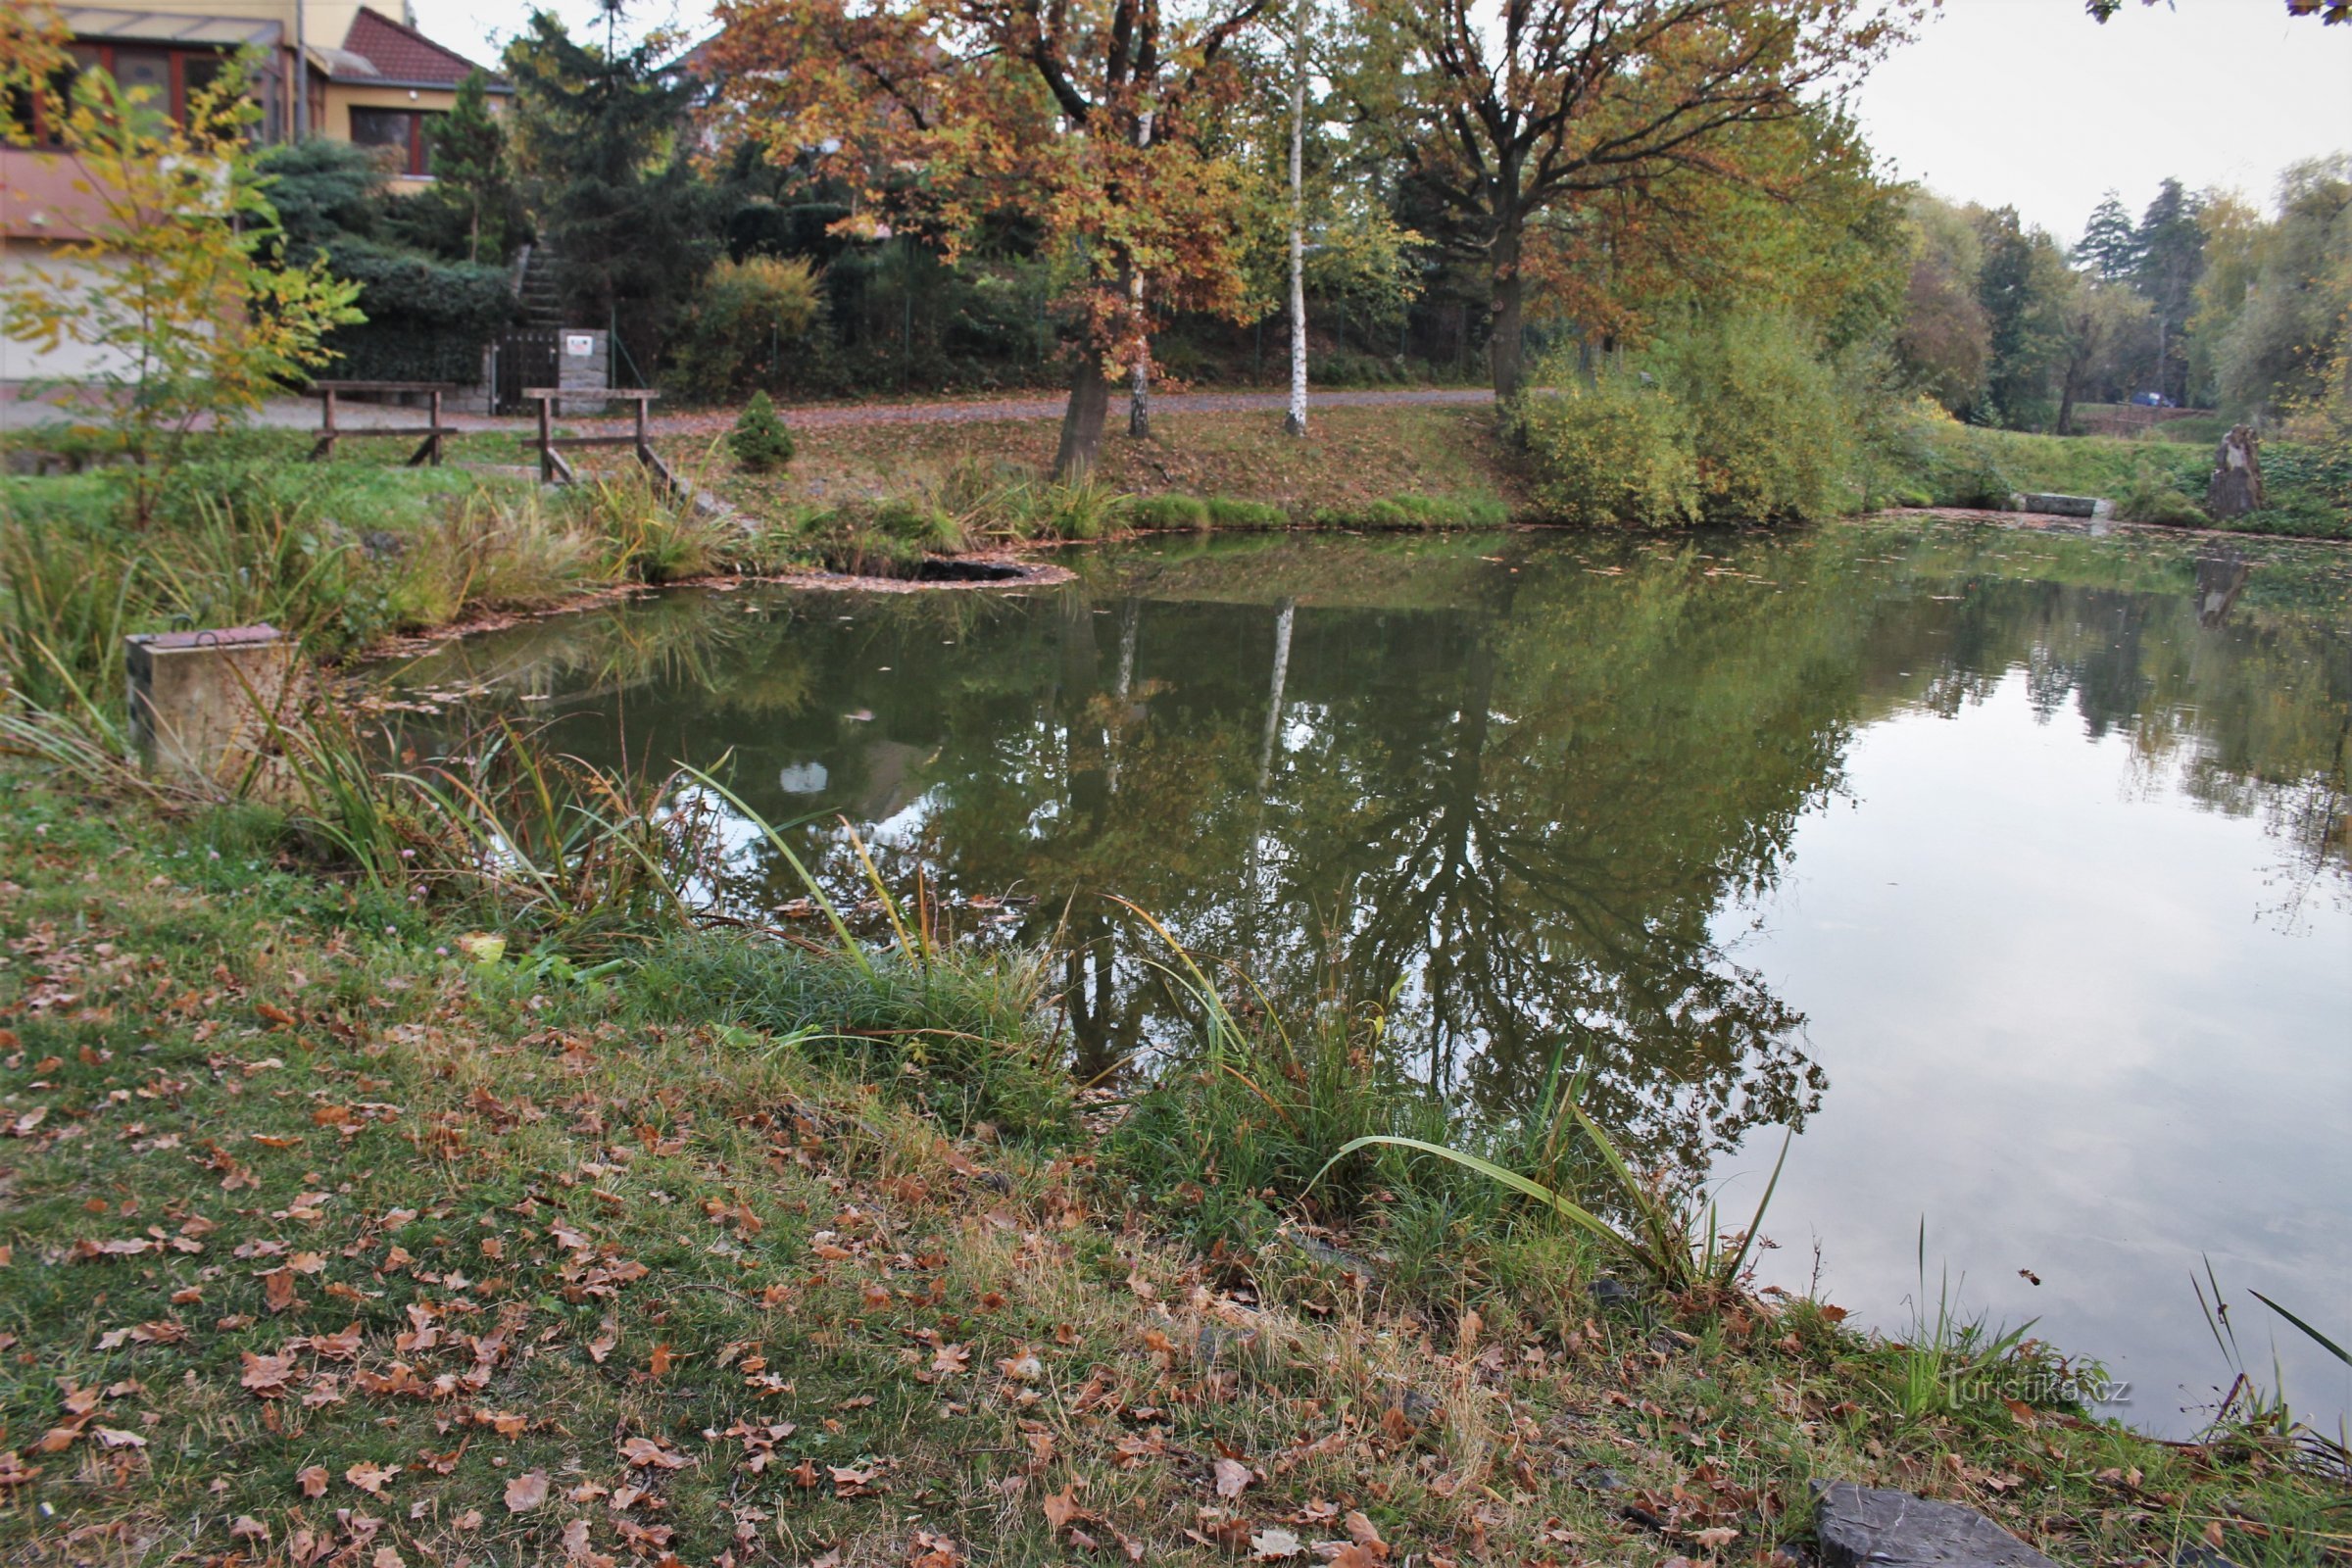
pixel 371 1478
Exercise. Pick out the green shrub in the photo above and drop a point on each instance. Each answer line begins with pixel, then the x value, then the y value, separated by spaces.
pixel 760 440
pixel 744 319
pixel 1166 513
pixel 1616 450
pixel 1769 428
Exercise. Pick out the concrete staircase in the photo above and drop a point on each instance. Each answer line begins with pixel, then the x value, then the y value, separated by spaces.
pixel 536 288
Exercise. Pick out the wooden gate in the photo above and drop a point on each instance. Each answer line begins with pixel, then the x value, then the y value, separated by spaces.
pixel 526 359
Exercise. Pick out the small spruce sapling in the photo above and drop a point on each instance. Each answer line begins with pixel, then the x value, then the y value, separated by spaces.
pixel 761 441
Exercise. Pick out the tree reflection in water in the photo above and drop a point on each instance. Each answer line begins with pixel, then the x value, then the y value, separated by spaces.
pixel 1508 787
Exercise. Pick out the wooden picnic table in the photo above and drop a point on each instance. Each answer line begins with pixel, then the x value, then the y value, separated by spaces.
pixel 329 433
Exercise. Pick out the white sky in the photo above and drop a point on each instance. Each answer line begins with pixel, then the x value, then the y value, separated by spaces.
pixel 2024 102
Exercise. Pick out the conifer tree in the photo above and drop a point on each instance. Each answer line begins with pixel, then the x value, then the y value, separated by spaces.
pixel 2110 245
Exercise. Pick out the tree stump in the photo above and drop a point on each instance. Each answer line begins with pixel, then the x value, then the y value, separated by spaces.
pixel 2235 488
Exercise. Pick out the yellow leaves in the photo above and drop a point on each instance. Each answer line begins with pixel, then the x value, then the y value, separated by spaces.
pixel 526 1492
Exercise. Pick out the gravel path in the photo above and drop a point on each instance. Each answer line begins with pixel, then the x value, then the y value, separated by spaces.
pixel 302 413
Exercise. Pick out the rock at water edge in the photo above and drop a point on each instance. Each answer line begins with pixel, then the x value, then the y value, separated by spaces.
pixel 1868 1527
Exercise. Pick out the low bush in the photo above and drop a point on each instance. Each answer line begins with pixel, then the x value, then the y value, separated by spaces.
pixel 760 440
pixel 748 318
pixel 1769 427
pixel 1616 450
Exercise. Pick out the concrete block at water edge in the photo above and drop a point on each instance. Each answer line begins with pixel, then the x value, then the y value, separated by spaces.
pixel 2057 506
pixel 201 702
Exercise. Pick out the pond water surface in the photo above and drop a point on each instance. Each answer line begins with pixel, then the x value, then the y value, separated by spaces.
pixel 2009 867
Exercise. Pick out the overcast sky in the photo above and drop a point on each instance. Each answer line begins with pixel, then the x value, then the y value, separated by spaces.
pixel 2024 102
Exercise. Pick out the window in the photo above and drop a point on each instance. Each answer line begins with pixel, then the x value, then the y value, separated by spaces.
pixel 404 138
pixel 166 80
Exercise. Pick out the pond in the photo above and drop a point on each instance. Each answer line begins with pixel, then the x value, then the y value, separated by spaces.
pixel 2009 867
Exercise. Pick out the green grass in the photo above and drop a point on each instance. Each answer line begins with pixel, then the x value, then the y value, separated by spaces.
pixel 414 1186
pixel 2309 489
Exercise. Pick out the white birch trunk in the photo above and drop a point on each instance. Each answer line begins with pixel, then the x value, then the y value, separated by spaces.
pixel 1296 422
pixel 1139 392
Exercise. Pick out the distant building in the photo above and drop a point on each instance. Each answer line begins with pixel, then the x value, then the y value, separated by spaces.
pixel 359 76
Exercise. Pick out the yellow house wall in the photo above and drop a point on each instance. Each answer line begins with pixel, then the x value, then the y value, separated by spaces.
pixel 335 119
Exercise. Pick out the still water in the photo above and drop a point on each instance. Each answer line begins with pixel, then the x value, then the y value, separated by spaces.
pixel 2010 869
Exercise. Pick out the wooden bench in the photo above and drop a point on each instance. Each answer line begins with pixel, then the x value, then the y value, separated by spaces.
pixel 329 432
pixel 552 470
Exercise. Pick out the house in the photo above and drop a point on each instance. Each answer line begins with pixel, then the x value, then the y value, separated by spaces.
pixel 335 68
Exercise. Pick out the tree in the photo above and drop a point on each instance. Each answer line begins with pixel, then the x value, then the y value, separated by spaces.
pixel 2172 256
pixel 2283 349
pixel 1944 342
pixel 1808 230
pixel 601 134
pixel 175 284
pixel 2104 324
pixel 2110 245
pixel 1100 127
pixel 472 212
pixel 1505 117
pixel 1295 421
pixel 2023 287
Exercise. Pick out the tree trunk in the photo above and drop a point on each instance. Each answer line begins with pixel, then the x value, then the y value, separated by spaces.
pixel 1296 422
pixel 1139 396
pixel 1504 351
pixel 2066 405
pixel 2235 487
pixel 1082 422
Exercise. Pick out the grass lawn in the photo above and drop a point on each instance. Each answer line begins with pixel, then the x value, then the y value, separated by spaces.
pixel 331 1236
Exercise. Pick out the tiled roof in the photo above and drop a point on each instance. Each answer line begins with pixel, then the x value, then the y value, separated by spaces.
pixel 402 55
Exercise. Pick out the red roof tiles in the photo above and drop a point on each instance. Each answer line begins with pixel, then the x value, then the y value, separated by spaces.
pixel 402 56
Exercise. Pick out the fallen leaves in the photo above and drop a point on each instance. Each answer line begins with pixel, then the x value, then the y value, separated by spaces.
pixel 526 1492
pixel 1231 1477
pixel 371 1478
pixel 647 1453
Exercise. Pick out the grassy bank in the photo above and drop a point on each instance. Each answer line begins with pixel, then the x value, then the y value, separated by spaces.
pixel 372 1192
pixel 348 552
pixel 1940 462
